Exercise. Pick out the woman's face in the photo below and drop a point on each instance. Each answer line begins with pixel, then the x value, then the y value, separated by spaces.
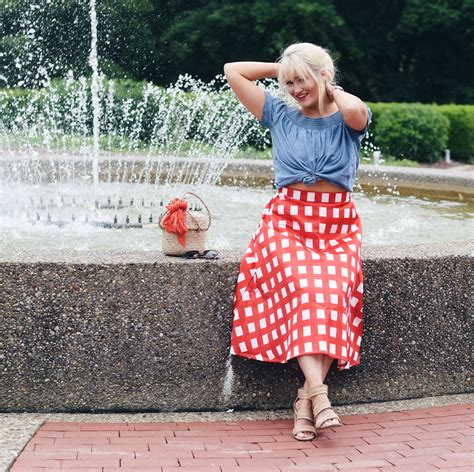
pixel 304 91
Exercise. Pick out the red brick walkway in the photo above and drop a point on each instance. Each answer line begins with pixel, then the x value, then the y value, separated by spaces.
pixel 439 438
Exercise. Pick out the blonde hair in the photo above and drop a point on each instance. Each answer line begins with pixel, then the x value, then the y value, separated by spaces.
pixel 303 60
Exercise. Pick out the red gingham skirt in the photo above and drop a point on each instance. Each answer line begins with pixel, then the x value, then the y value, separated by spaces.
pixel 299 290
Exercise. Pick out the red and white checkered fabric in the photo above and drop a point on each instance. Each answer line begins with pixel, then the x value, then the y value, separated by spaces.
pixel 300 285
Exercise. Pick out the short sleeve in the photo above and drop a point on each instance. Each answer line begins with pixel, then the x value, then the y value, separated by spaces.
pixel 272 110
pixel 361 134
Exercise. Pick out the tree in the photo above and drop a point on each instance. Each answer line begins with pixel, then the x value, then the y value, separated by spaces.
pixel 200 39
pixel 437 44
pixel 47 38
pixel 386 50
pixel 411 50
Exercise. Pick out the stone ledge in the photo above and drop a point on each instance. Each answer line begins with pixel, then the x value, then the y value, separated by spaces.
pixel 144 332
pixel 408 251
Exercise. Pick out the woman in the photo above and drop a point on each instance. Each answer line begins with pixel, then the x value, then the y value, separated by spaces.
pixel 299 291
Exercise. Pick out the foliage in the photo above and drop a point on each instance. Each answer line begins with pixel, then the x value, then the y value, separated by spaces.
pixel 390 50
pixel 436 40
pixel 134 112
pixel 461 134
pixel 461 127
pixel 412 131
pixel 188 117
pixel 50 38
pixel 378 108
pixel 391 161
pixel 410 50
pixel 241 30
pixel 386 50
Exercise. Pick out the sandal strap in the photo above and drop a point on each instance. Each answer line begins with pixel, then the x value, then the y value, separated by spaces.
pixel 303 394
pixel 322 408
pixel 325 415
pixel 321 405
pixel 305 414
pixel 302 413
pixel 303 428
pixel 319 389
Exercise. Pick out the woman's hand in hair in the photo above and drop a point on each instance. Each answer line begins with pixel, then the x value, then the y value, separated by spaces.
pixel 352 108
pixel 330 91
pixel 241 77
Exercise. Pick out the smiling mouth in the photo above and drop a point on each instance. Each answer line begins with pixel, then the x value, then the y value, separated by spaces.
pixel 301 96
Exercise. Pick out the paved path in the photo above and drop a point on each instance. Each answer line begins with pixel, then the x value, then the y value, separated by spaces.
pixel 435 438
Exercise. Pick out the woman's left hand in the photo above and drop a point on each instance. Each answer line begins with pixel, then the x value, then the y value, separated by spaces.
pixel 330 91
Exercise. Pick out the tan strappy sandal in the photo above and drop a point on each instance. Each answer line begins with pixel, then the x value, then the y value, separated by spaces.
pixel 322 409
pixel 303 414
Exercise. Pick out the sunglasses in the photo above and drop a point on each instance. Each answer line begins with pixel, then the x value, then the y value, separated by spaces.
pixel 208 254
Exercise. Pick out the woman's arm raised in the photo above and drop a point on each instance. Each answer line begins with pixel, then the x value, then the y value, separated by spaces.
pixel 241 75
pixel 352 108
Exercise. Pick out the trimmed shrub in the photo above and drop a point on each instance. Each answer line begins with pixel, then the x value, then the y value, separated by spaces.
pixel 133 115
pixel 461 133
pixel 378 108
pixel 136 114
pixel 412 131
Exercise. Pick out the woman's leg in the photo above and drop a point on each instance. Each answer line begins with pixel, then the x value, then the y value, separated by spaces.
pixel 315 368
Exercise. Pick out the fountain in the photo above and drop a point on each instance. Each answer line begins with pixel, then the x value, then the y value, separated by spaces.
pixel 98 319
pixel 87 141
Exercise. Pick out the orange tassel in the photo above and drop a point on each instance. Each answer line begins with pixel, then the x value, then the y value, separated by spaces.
pixel 175 219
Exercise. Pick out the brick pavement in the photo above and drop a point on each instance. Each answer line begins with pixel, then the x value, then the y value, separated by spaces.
pixel 437 438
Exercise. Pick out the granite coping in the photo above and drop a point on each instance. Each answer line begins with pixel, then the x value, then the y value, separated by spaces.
pixel 369 252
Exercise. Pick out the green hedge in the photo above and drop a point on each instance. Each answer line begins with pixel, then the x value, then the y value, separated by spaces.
pixel 134 115
pixel 461 135
pixel 138 110
pixel 412 131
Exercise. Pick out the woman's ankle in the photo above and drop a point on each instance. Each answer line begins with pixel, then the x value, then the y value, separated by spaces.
pixel 315 383
pixel 313 387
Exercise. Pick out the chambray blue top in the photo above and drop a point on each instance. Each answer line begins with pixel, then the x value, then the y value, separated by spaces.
pixel 309 149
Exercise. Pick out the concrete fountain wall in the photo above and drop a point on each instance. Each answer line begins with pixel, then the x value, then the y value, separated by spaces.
pixel 141 331
pixel 138 331
pixel 102 331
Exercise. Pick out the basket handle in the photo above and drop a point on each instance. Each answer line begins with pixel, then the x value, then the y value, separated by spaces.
pixel 205 206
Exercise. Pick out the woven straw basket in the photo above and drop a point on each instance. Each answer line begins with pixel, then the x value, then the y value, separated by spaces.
pixel 197 223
